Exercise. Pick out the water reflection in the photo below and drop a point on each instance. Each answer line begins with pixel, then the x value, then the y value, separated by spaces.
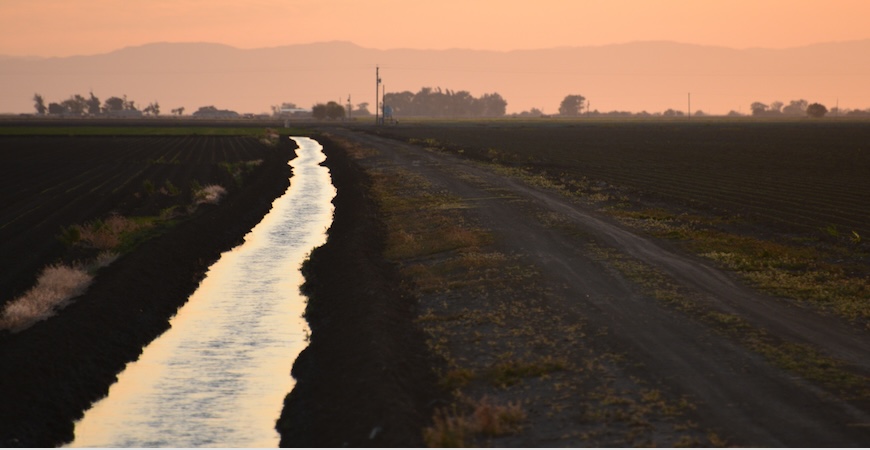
pixel 219 375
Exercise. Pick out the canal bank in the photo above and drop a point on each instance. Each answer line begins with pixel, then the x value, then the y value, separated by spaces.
pixel 366 379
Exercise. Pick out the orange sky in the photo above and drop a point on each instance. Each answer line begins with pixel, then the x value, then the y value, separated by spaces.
pixel 76 27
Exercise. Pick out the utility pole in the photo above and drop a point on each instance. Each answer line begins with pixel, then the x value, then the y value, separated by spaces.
pixel 377 92
pixel 349 109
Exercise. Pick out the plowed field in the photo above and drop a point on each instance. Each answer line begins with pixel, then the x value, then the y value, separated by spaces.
pixel 797 176
pixel 51 182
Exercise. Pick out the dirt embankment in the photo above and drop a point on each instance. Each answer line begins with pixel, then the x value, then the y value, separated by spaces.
pixel 366 378
pixel 52 372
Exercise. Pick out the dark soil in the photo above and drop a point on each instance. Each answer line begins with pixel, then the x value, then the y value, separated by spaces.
pixel 366 378
pixel 53 371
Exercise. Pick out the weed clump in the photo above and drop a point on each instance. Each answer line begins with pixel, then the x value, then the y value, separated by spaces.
pixel 56 285
pixel 450 428
pixel 211 194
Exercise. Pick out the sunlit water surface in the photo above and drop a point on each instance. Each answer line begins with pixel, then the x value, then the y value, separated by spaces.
pixel 218 377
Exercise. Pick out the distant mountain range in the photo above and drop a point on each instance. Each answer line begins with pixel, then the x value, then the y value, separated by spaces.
pixel 650 76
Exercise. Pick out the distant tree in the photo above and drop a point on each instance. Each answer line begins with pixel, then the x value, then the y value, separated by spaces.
pixel 699 113
pixel 76 104
pixel 493 105
pixel 178 111
pixel 816 110
pixel 129 104
pixel 113 104
pixel 673 113
pixel 733 113
pixel 56 108
pixel 335 111
pixel 39 104
pixel 534 112
pixel 93 104
pixel 319 111
pixel 362 109
pixel 795 108
pixel 210 109
pixel 152 108
pixel 758 108
pixel 210 112
pixel 571 105
pixel 776 107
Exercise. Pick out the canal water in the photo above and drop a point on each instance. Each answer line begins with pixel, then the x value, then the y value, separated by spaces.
pixel 218 377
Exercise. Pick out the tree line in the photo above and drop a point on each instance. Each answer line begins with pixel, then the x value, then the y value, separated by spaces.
pixel 431 102
pixel 800 108
pixel 78 105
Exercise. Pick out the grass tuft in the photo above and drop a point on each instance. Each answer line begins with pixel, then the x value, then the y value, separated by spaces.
pixel 55 286
pixel 451 428
pixel 211 194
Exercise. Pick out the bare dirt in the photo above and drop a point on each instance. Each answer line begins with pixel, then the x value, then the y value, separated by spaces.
pixel 734 395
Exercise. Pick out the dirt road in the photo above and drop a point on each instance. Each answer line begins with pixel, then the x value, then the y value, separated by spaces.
pixel 736 395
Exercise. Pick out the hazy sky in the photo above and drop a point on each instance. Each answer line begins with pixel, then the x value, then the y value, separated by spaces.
pixel 81 27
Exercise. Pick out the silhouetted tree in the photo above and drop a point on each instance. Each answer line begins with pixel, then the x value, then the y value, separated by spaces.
pixel 93 104
pixel 493 105
pixel 362 109
pixel 816 110
pixel 571 105
pixel 113 104
pixel 56 108
pixel 319 111
pixel 758 108
pixel 152 108
pixel 178 111
pixel 795 108
pixel 39 104
pixel 776 107
pixel 129 104
pixel 334 111
pixel 75 104
pixel 445 103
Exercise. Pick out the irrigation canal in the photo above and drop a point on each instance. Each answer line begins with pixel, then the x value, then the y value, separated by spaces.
pixel 218 377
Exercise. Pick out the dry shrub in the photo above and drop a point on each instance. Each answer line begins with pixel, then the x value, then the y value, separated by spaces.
pixel 107 234
pixel 450 428
pixel 104 259
pixel 211 194
pixel 55 285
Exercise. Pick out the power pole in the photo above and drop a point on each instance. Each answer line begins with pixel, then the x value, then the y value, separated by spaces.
pixel 377 92
pixel 349 109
